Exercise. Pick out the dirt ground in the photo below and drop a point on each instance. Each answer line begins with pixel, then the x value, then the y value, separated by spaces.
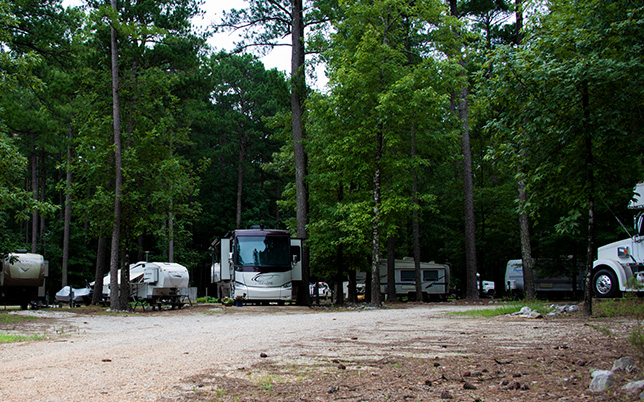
pixel 504 358
pixel 470 365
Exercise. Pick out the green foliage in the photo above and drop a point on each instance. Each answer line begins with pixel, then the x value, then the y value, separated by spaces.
pixel 636 338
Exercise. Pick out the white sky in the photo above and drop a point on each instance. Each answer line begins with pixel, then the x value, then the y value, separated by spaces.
pixel 279 58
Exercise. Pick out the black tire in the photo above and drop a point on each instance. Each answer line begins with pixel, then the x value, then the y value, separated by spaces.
pixel 605 284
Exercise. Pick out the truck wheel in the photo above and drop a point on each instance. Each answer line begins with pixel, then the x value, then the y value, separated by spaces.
pixel 605 284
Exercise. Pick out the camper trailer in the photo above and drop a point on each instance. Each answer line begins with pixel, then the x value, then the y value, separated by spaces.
pixel 22 279
pixel 544 283
pixel 155 283
pixel 435 279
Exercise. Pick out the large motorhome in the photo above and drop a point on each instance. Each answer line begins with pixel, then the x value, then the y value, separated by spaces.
pixel 435 279
pixel 258 265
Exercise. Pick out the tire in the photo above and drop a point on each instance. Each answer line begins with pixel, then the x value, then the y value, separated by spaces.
pixel 605 284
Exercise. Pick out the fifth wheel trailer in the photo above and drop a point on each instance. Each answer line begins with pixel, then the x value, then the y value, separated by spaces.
pixel 155 282
pixel 22 279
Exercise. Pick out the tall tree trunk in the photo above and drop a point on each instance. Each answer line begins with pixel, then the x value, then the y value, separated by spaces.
pixel 468 187
pixel 391 269
pixel 415 217
pixel 518 7
pixel 68 209
pixel 240 181
pixel 590 180
pixel 375 247
pixel 468 195
pixel 118 182
pixel 524 229
pixel 352 294
pixel 171 234
pixel 298 90
pixel 34 190
pixel 101 256
pixel 339 276
pixel 124 287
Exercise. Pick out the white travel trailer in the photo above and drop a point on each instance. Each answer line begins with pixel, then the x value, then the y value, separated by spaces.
pixel 435 279
pixel 155 282
pixel 22 279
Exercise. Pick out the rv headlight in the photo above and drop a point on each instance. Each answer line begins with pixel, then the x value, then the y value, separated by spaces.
pixel 287 285
pixel 240 285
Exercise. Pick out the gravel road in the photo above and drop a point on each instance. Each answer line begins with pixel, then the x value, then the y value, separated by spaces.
pixel 149 356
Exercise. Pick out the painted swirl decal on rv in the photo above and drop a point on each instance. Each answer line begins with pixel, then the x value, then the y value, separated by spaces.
pixel 265 279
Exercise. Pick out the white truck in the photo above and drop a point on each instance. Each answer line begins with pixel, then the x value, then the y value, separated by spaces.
pixel 619 266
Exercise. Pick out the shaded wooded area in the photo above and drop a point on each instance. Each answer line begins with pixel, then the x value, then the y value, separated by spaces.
pixel 466 132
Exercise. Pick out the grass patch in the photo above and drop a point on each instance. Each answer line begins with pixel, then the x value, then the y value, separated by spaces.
pixel 7 338
pixel 541 306
pixel 15 318
pixel 625 307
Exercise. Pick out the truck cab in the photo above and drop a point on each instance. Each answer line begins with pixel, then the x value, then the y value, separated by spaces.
pixel 619 266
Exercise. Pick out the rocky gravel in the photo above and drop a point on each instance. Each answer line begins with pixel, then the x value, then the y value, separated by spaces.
pixel 403 352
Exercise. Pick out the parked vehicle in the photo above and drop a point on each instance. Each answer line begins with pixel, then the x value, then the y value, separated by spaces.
pixel 257 264
pixel 485 288
pixel 80 295
pixel 22 279
pixel 155 283
pixel 549 277
pixel 619 266
pixel 324 290
pixel 435 279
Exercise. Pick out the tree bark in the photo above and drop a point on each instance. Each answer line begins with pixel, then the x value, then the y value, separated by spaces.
pixel 240 181
pixel 118 182
pixel 468 195
pixel 376 299
pixel 524 229
pixel 587 309
pixel 471 290
pixel 298 89
pixel 101 255
pixel 68 210
pixel 415 218
pixel 34 190
pixel 391 269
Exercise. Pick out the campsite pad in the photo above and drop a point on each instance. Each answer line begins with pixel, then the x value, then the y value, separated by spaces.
pixel 439 356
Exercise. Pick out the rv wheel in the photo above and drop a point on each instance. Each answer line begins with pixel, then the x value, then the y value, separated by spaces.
pixel 605 283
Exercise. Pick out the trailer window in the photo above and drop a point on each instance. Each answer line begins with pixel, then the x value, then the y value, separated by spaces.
pixel 407 275
pixel 430 275
pixel 263 251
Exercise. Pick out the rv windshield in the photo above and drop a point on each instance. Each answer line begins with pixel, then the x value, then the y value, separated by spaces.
pixel 263 251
